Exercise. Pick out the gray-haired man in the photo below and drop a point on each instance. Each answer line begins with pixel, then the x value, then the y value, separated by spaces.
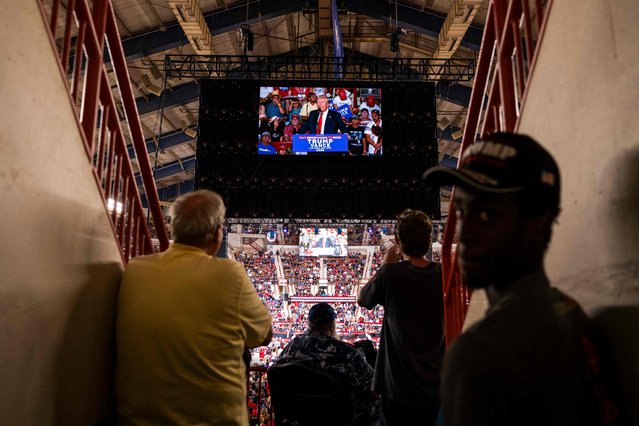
pixel 184 319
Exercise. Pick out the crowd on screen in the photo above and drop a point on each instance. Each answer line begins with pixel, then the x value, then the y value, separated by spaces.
pixel 285 102
pixel 283 112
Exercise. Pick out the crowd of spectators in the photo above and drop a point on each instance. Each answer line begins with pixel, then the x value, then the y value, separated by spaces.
pixel 345 273
pixel 436 255
pixel 376 262
pixel 291 318
pixel 374 316
pixel 300 272
pixel 351 323
pixel 260 267
pixel 259 399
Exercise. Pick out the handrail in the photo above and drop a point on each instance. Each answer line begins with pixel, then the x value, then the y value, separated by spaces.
pixel 509 49
pixel 89 33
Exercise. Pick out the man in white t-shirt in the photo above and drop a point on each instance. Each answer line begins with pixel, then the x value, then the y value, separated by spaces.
pixel 342 97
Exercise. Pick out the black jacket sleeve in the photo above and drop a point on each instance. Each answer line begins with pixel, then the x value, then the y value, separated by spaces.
pixel 309 125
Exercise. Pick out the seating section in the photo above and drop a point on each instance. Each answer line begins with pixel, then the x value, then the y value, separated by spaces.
pixel 290 315
pixel 301 272
pixel 260 268
pixel 345 273
pixel 290 318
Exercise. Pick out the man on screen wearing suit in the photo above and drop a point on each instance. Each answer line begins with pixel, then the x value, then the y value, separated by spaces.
pixel 323 121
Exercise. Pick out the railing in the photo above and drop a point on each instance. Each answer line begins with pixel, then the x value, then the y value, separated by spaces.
pixel 511 41
pixel 81 36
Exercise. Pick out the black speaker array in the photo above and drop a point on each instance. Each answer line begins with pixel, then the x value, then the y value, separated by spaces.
pixel 316 186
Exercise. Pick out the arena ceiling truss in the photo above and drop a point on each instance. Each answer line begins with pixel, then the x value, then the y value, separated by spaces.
pixel 151 29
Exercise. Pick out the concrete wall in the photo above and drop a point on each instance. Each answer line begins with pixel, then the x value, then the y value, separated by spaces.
pixel 59 260
pixel 583 106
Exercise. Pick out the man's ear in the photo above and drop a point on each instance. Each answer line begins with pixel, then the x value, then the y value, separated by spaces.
pixel 218 235
pixel 215 241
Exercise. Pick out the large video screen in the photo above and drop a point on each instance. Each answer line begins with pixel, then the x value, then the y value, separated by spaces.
pixel 329 120
pixel 317 185
pixel 323 242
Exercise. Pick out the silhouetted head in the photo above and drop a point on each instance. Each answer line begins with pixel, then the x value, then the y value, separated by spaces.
pixel 507 195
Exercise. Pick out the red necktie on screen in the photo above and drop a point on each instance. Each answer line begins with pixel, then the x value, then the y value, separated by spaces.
pixel 319 125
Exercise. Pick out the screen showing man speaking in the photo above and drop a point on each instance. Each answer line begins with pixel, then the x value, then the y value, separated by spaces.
pixel 323 242
pixel 322 120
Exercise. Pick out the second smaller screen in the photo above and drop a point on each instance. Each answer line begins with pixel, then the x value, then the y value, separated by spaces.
pixel 323 242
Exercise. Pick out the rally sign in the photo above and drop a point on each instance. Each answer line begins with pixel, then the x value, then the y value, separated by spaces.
pixel 345 111
pixel 320 143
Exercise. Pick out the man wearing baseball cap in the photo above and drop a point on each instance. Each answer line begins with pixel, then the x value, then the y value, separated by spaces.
pixel 264 147
pixel 319 347
pixel 530 360
pixel 371 105
pixel 292 128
